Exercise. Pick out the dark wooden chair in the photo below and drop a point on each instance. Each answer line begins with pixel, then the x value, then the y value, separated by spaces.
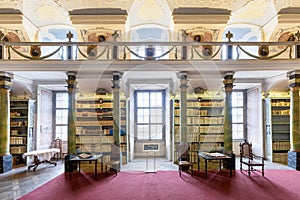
pixel 184 163
pixel 248 158
pixel 57 143
pixel 115 159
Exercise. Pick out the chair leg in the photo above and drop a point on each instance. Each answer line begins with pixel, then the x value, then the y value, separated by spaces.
pixel 249 171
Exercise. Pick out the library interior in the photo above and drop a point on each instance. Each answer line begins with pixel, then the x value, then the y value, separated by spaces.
pixel 106 88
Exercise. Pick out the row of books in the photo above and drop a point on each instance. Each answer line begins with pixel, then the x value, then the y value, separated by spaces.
pixel 194 137
pixel 205 120
pixel 18 123
pixel 17 140
pixel 280 112
pixel 95 123
pixel 95 105
pixel 280 158
pixel 89 139
pixel 205 103
pixel 18 150
pixel 281 145
pixel 280 103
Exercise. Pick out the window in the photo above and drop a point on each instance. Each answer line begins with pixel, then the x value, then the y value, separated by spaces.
pixel 237 115
pixel 149 112
pixel 61 115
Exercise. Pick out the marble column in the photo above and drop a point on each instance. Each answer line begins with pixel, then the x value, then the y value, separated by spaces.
pixel 183 107
pixel 5 156
pixel 294 153
pixel 116 107
pixel 228 84
pixel 71 113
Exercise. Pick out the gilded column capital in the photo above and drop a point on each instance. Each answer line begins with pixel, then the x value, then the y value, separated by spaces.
pixel 183 80
pixel 71 81
pixel 116 80
pixel 5 82
pixel 294 80
pixel 228 81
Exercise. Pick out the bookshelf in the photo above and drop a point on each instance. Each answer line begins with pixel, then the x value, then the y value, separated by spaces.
pixel 94 121
pixel 278 128
pixel 21 129
pixel 205 124
pixel 205 121
pixel 94 126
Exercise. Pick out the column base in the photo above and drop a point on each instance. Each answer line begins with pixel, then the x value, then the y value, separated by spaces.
pixel 294 160
pixel 5 163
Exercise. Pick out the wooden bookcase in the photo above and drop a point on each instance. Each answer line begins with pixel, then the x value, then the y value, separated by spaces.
pixel 205 125
pixel 21 129
pixel 278 128
pixel 94 126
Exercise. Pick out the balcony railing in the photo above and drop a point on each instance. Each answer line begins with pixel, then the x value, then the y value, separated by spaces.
pixel 148 50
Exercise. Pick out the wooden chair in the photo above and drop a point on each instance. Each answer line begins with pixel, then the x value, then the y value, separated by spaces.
pixel 250 159
pixel 184 163
pixel 57 143
pixel 114 161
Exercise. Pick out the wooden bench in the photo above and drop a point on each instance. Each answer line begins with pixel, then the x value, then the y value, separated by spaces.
pixel 248 158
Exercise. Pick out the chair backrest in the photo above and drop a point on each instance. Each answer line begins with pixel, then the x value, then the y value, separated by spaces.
pixel 183 152
pixel 246 149
pixel 115 152
pixel 57 143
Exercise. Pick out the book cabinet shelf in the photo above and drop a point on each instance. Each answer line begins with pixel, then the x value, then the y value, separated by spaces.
pixel 94 126
pixel 21 129
pixel 205 126
pixel 278 128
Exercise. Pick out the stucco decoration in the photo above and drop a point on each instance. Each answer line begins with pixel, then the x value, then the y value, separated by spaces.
pixel 92 35
pixel 207 35
pixel 45 12
pixel 11 3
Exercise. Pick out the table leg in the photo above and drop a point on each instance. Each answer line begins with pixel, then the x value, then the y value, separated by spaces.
pixel 205 167
pixel 96 161
pixel 220 164
pixel 198 164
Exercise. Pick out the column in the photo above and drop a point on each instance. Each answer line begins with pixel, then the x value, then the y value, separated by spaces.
pixel 5 157
pixel 294 153
pixel 71 113
pixel 71 121
pixel 183 107
pixel 228 84
pixel 116 107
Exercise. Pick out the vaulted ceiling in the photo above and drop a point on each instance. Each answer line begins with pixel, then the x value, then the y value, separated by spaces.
pixel 263 14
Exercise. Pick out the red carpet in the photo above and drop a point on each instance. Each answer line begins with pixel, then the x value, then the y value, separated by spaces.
pixel 276 185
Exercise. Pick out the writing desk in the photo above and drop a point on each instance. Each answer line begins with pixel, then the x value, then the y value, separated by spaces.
pixel 214 156
pixel 78 159
pixel 44 154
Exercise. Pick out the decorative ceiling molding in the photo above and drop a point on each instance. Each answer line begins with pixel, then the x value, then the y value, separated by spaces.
pixel 98 16
pixel 204 16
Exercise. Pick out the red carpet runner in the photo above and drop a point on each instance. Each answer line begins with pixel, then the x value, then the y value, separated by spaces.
pixel 276 185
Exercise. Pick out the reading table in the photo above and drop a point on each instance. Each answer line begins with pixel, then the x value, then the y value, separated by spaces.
pixel 214 156
pixel 85 157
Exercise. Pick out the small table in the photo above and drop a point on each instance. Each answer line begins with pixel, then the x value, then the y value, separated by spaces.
pixel 92 158
pixel 45 154
pixel 214 156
